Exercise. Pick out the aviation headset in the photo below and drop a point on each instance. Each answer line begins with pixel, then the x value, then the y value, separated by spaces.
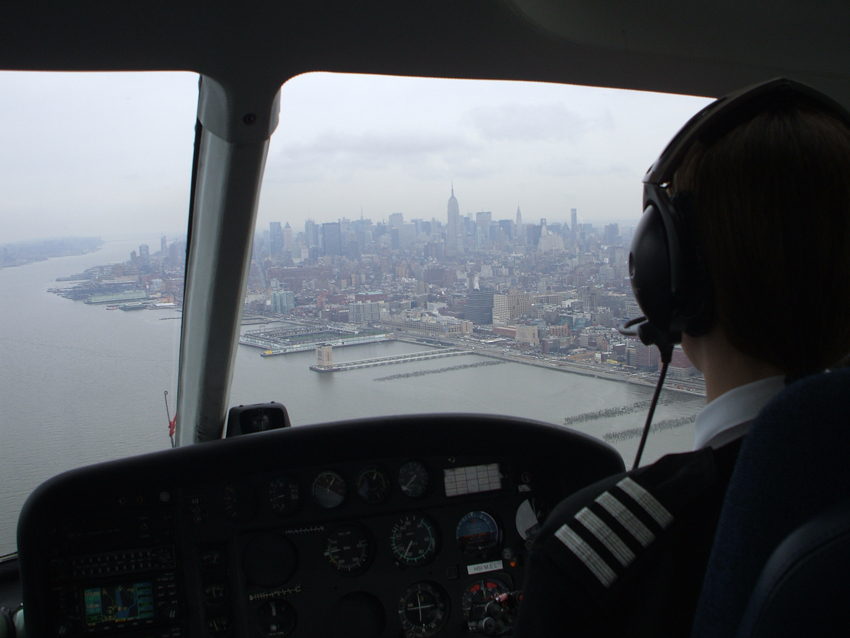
pixel 668 277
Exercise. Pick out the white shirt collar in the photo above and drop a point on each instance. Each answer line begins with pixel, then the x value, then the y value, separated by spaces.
pixel 735 407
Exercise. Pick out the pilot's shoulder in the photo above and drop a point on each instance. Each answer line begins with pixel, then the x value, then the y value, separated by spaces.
pixel 602 531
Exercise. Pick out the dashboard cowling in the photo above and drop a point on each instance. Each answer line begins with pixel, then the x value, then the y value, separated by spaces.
pixel 308 531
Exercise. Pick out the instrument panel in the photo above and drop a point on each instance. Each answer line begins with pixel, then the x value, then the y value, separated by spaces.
pixel 411 526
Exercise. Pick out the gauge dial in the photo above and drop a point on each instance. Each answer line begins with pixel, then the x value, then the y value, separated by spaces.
pixel 413 479
pixel 477 531
pixel 284 495
pixel 373 484
pixel 481 591
pixel 276 617
pixel 329 489
pixel 414 540
pixel 349 549
pixel 423 610
pixel 240 502
pixel 214 593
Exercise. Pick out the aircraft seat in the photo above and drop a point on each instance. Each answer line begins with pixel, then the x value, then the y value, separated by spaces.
pixel 792 467
pixel 804 589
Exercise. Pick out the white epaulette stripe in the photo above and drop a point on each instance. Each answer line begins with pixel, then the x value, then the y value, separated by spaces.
pixel 606 536
pixel 587 555
pixel 647 501
pixel 625 517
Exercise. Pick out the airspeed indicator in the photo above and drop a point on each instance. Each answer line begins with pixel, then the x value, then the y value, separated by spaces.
pixel 414 540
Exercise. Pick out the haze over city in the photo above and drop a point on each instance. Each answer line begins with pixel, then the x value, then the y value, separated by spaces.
pixel 110 154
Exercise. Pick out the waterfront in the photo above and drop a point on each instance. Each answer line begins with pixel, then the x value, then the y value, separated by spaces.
pixel 81 384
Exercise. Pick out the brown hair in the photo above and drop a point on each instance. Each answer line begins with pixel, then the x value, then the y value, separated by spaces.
pixel 772 214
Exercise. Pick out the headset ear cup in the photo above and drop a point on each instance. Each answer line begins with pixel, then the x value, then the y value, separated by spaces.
pixel 649 269
pixel 694 297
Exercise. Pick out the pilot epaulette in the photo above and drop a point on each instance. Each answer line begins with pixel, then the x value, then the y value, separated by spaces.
pixel 606 534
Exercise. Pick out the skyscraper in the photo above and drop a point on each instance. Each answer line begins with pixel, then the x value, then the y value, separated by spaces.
pixel 332 239
pixel 453 225
pixel 287 237
pixel 520 229
pixel 574 224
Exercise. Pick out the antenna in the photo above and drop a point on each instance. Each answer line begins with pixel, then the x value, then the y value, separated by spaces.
pixel 172 423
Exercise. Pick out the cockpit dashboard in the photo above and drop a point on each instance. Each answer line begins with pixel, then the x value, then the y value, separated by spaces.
pixel 403 526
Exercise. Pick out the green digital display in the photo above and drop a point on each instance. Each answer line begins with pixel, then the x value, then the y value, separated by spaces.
pixel 119 603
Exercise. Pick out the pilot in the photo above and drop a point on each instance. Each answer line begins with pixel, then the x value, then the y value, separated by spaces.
pixel 742 255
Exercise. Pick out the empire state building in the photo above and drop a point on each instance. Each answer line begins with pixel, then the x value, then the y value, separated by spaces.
pixel 453 225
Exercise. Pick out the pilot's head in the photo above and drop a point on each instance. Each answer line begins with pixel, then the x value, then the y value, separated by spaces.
pixel 764 193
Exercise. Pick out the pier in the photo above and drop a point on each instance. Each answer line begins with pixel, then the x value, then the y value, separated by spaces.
pixel 385 361
pixel 339 341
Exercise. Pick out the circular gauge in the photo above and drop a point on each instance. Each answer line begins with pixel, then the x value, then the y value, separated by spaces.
pixel 373 484
pixel 423 610
pixel 240 502
pixel 349 549
pixel 276 617
pixel 414 540
pixel 329 489
pixel 481 591
pixel 413 479
pixel 214 593
pixel 476 532
pixel 284 495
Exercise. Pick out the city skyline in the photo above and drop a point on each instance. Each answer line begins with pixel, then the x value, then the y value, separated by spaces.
pixel 111 154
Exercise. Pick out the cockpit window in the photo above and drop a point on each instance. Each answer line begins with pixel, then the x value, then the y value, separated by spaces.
pixel 433 245
pixel 94 175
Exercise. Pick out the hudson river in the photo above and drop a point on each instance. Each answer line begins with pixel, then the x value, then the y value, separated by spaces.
pixel 80 384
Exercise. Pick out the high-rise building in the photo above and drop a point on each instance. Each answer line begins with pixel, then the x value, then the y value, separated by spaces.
pixel 479 307
pixel 287 237
pixel 396 220
pixel 574 224
pixel 612 232
pixel 311 233
pixel 520 229
pixel 332 240
pixel 275 238
pixel 282 301
pixel 163 245
pixel 453 226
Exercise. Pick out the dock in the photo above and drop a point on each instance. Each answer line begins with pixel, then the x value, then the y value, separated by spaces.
pixel 339 341
pixel 385 361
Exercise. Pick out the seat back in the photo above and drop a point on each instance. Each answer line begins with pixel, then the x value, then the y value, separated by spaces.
pixel 793 464
pixel 803 590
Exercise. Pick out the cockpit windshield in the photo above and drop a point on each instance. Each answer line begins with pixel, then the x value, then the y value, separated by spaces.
pixel 422 246
pixel 95 180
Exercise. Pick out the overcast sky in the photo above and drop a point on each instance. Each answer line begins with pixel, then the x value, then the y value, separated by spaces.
pixel 110 154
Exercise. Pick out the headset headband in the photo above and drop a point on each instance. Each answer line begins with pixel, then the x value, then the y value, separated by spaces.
pixel 727 112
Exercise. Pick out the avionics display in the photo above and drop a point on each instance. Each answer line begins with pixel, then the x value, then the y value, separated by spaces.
pixel 119 603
